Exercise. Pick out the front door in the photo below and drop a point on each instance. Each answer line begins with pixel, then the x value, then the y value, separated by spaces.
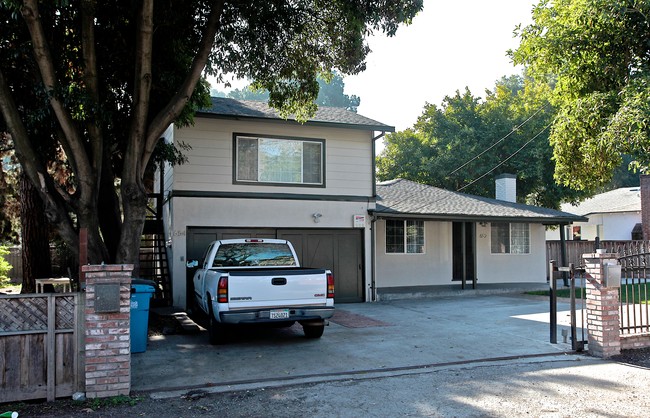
pixel 464 260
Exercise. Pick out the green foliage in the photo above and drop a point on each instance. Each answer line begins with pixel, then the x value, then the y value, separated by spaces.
pixel 330 93
pixel 99 403
pixel 112 90
pixel 5 267
pixel 596 55
pixel 506 132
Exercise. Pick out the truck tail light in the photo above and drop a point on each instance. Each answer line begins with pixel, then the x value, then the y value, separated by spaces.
pixel 222 290
pixel 330 286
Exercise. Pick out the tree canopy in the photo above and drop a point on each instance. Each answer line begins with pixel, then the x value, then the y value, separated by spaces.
pixel 331 92
pixel 88 88
pixel 464 143
pixel 596 56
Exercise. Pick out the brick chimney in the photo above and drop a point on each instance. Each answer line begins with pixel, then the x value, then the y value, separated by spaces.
pixel 506 187
pixel 645 205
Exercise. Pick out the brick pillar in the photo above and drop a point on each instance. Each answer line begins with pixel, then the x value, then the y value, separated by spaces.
pixel 603 323
pixel 108 339
pixel 645 205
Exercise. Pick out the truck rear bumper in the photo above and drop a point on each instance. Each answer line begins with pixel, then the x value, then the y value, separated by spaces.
pixel 263 315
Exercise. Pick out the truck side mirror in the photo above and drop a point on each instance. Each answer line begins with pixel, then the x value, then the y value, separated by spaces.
pixel 192 263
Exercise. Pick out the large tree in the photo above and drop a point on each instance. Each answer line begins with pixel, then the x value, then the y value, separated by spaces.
pixel 88 88
pixel 596 55
pixel 465 142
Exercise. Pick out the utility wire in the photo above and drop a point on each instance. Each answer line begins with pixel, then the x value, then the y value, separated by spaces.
pixel 498 142
pixel 504 161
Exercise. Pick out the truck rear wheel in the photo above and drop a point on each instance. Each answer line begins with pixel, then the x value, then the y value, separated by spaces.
pixel 216 331
pixel 313 331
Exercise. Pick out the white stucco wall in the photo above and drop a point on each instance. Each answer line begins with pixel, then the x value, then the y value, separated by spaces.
pixel 608 226
pixel 431 268
pixel 435 267
pixel 262 213
pixel 511 268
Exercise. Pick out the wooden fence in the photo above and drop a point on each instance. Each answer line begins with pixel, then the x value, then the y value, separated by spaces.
pixel 40 346
pixel 575 250
pixel 61 262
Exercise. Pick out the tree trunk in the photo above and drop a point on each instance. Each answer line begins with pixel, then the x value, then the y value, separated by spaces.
pixel 35 236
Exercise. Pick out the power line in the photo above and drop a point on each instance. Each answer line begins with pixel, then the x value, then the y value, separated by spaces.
pixel 504 161
pixel 499 141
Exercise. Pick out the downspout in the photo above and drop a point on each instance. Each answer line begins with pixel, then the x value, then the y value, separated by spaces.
pixel 373 222
pixel 373 268
pixel 374 163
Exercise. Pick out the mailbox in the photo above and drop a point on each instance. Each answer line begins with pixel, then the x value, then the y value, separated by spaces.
pixel 612 274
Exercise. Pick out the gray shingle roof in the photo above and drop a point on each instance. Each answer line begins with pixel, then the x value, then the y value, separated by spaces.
pixel 406 198
pixel 626 199
pixel 331 116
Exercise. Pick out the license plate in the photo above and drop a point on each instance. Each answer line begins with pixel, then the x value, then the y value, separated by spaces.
pixel 279 314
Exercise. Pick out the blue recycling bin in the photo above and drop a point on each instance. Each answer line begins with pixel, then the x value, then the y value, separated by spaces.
pixel 141 292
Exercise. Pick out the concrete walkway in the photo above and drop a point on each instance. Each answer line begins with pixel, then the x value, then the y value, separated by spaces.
pixel 370 339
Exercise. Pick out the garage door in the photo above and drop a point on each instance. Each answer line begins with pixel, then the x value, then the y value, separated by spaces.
pixel 339 250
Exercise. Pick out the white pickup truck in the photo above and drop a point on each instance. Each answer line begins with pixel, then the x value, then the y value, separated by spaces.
pixel 253 281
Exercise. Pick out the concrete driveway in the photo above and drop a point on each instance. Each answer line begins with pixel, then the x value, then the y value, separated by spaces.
pixel 365 339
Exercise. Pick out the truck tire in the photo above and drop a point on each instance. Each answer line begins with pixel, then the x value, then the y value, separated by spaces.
pixel 313 331
pixel 216 331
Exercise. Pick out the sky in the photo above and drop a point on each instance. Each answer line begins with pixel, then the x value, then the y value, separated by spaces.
pixel 449 45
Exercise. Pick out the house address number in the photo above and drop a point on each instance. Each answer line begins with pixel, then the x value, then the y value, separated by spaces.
pixel 178 233
pixel 482 235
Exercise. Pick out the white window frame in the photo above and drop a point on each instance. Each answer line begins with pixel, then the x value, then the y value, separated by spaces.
pixel 517 232
pixel 407 246
pixel 291 170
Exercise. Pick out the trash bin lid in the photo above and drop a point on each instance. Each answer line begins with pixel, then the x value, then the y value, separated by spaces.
pixel 142 286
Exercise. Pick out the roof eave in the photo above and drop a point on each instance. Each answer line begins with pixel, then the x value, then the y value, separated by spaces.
pixel 479 218
pixel 382 128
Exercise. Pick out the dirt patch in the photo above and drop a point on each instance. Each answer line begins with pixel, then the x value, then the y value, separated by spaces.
pixel 638 357
pixel 352 320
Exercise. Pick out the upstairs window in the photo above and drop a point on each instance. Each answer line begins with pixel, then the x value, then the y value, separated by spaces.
pixel 510 238
pixel 279 161
pixel 404 237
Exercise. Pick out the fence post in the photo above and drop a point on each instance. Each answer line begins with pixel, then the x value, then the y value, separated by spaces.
pixel 107 334
pixel 553 301
pixel 603 323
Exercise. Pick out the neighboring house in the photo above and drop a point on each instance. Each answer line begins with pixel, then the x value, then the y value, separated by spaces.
pixel 251 173
pixel 613 216
pixel 426 236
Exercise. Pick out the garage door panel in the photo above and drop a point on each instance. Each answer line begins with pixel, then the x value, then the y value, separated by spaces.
pixel 349 255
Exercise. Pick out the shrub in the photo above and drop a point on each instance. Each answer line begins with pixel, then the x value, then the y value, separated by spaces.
pixel 4 266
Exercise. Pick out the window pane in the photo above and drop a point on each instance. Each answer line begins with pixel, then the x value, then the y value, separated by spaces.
pixel 248 254
pixel 312 158
pixel 280 161
pixel 500 237
pixel 394 236
pixel 415 237
pixel 247 159
pixel 519 238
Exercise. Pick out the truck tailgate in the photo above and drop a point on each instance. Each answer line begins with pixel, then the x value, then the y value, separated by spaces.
pixel 282 287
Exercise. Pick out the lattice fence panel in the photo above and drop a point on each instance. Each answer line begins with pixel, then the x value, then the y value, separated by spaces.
pixel 23 314
pixel 65 312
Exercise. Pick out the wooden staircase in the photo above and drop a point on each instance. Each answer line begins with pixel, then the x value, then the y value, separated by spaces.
pixel 153 262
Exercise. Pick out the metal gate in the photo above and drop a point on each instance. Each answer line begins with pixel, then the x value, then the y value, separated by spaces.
pixel 634 258
pixel 574 280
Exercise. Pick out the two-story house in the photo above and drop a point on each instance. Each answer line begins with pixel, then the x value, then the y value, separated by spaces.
pixel 251 173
